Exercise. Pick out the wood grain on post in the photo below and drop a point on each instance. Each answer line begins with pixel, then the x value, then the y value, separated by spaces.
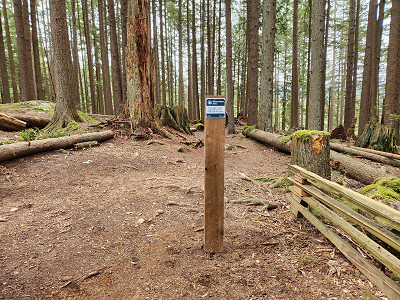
pixel 214 152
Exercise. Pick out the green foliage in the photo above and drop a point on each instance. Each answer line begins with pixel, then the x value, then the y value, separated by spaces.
pixel 385 189
pixel 73 126
pixel 307 260
pixel 87 118
pixel 32 134
pixel 305 135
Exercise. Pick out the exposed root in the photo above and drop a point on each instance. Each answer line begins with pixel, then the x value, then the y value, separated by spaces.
pixel 255 201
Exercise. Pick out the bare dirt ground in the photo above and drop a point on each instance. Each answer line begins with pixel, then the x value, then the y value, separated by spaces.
pixel 98 224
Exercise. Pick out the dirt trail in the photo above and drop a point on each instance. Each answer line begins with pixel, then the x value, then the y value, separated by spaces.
pixel 97 224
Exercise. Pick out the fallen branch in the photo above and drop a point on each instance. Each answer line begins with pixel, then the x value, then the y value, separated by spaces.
pixel 247 178
pixel 277 183
pixel 10 123
pixel 11 151
pixel 255 201
pixel 387 154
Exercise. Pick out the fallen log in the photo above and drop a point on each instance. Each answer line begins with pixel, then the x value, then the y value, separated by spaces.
pixel 11 151
pixel 9 123
pixel 32 121
pixel 386 154
pixel 375 155
pixel 352 167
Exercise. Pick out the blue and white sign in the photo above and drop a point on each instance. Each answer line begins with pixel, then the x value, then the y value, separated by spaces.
pixel 215 108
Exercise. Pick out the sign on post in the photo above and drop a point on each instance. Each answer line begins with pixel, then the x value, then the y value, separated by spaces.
pixel 214 150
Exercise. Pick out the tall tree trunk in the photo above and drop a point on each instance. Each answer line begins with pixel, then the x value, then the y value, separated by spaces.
pixel 189 74
pixel 209 54
pixel 366 83
pixel 75 59
pixel 180 80
pixel 202 64
pixel 5 85
pixel 27 86
pixel 393 67
pixel 10 55
pixel 65 110
pixel 196 108
pixel 376 53
pixel 317 49
pixel 139 82
pixel 349 104
pixel 99 89
pixel 115 61
pixel 163 86
pixel 310 4
pixel 324 66
pixel 294 108
pixel 253 15
pixel 36 56
pixel 219 88
pixel 284 100
pixel 89 57
pixel 123 47
pixel 332 93
pixel 229 74
pixel 156 55
pixel 356 43
pixel 267 66
pixel 104 60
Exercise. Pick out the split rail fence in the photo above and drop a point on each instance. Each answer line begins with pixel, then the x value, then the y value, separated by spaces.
pixel 377 219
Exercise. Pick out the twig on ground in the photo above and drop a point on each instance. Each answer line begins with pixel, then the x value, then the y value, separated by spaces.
pixel 255 201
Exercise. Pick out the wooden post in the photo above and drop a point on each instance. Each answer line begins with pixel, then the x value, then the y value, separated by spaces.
pixel 214 152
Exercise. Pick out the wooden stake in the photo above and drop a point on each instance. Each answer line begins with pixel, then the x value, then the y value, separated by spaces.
pixel 214 179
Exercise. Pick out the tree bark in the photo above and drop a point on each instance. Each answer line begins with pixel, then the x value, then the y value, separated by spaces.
pixel 36 57
pixel 229 74
pixel 317 49
pixel 9 123
pixel 32 121
pixel 11 151
pixel 312 153
pixel 140 93
pixel 163 82
pixel 253 15
pixel 180 79
pixel 294 108
pixel 75 59
pixel 10 54
pixel 156 55
pixel 196 107
pixel 267 66
pixel 65 110
pixel 5 90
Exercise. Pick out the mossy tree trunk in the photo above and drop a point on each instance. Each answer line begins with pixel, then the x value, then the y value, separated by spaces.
pixel 378 137
pixel 310 150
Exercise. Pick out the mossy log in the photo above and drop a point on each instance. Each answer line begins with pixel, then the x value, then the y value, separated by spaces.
pixel 11 151
pixel 175 117
pixel 311 151
pixel 9 123
pixel 378 137
pixel 352 167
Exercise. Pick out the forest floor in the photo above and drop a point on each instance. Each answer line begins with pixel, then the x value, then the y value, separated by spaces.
pixel 101 223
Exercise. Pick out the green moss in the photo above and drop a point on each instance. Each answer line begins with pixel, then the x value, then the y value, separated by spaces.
pixel 73 126
pixel 87 118
pixel 246 129
pixel 305 135
pixel 385 189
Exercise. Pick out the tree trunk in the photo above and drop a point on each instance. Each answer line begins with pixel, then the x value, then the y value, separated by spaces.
pixel 393 66
pixel 294 107
pixel 366 84
pixel 196 99
pixel 65 110
pixel 36 57
pixel 9 123
pixel 10 54
pixel 75 59
pixel 180 79
pixel 140 93
pixel 156 55
pixel 267 66
pixel 350 166
pixel 378 137
pixel 163 86
pixel 324 66
pixel 124 7
pixel 5 86
pixel 11 151
pixel 27 86
pixel 312 152
pixel 229 74
pixel 374 156
pixel 99 89
pixel 317 49
pixel 115 61
pixel 32 121
pixel 253 15
pixel 202 62
pixel 189 73
pixel 104 61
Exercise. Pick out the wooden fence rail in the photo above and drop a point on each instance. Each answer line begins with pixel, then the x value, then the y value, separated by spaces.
pixel 310 191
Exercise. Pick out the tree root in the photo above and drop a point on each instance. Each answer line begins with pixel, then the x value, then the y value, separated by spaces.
pixel 247 178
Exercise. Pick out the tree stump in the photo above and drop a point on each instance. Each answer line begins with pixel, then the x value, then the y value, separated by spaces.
pixel 175 117
pixel 310 150
pixel 378 137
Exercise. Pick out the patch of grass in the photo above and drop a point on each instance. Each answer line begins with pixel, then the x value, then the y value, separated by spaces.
pixel 367 295
pixel 6 142
pixel 32 134
pixel 73 126
pixel 87 118
pixel 385 189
